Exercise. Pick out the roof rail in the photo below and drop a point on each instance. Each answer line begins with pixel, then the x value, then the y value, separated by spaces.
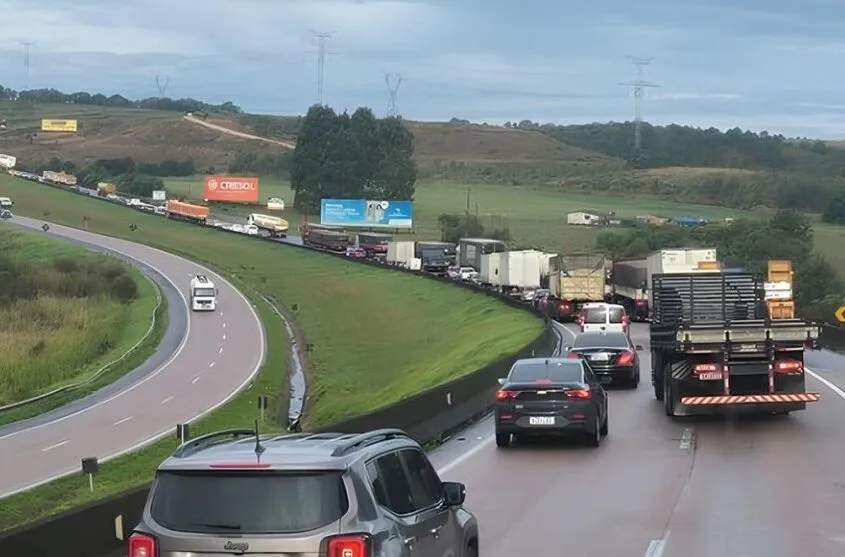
pixel 363 439
pixel 190 447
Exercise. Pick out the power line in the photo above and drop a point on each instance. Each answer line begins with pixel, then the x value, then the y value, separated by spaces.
pixel 162 81
pixel 639 86
pixel 26 62
pixel 322 38
pixel 393 82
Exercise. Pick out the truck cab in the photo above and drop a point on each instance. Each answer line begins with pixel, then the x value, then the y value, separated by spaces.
pixel 203 294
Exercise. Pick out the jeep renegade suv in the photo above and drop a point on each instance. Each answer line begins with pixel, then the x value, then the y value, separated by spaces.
pixel 236 492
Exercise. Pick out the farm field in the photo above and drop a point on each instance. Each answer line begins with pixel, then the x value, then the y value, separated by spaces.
pixel 423 333
pixel 74 337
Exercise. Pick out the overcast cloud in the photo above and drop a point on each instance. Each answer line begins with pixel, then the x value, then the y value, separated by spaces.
pixel 771 65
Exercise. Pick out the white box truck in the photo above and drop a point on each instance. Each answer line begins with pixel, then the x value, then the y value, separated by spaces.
pixel 520 269
pixel 400 253
pixel 490 270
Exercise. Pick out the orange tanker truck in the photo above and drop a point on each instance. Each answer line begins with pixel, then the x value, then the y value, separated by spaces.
pixel 179 210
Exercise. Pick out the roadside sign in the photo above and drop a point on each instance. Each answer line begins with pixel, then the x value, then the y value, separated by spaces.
pixel 840 314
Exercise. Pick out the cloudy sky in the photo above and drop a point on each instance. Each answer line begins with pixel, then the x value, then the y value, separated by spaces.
pixel 756 64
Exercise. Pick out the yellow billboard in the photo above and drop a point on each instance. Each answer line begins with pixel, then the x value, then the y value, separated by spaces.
pixel 58 125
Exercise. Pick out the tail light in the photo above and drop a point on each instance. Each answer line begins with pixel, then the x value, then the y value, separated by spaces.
pixel 788 367
pixel 573 356
pixel 707 368
pixel 626 359
pixel 142 545
pixel 641 303
pixel 582 394
pixel 357 545
pixel 503 394
pixel 543 381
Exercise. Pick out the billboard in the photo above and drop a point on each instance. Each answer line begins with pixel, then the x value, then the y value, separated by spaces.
pixel 231 189
pixel 159 195
pixel 367 213
pixel 8 161
pixel 65 126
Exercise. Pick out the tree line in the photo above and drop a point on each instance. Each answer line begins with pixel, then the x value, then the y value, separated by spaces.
pixel 138 179
pixel 351 156
pixel 54 96
pixel 818 288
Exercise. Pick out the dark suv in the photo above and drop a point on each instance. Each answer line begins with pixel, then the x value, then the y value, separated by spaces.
pixel 308 494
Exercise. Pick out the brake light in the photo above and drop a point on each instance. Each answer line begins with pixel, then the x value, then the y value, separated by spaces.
pixel 348 546
pixel 238 465
pixel 573 356
pixel 626 359
pixel 583 394
pixel 543 381
pixel 789 366
pixel 141 545
pixel 503 394
pixel 641 303
pixel 707 368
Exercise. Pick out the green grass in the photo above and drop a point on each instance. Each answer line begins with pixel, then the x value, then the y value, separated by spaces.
pixel 378 335
pixel 76 337
pixel 536 215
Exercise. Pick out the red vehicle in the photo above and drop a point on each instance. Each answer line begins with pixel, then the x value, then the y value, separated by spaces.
pixel 374 243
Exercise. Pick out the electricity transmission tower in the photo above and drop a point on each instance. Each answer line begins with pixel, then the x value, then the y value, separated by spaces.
pixel 161 84
pixel 639 86
pixel 26 61
pixel 393 82
pixel 322 39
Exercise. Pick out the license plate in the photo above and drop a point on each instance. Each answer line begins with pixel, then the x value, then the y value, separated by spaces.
pixel 710 376
pixel 541 420
pixel 600 357
pixel 606 380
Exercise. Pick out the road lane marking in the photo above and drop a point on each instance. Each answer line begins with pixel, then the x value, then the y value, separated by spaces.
pixel 655 548
pixel 220 350
pixel 687 439
pixel 836 390
pixel 195 379
pixel 224 325
pixel 211 364
pixel 224 337
pixel 123 421
pixel 55 446
pixel 168 399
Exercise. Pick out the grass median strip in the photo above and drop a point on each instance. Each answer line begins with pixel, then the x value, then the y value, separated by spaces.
pixel 74 337
pixel 377 335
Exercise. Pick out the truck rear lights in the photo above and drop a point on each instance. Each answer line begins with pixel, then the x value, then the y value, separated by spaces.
pixel 789 367
pixel 641 303
pixel 581 394
pixel 357 545
pixel 626 359
pixel 504 394
pixel 142 545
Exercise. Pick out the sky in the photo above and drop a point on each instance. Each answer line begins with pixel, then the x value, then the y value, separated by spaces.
pixel 762 65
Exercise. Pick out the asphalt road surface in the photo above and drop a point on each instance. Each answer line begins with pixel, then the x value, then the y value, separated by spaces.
pixel 220 354
pixel 657 487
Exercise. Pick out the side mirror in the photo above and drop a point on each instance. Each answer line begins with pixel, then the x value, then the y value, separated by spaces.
pixel 639 347
pixel 454 493
pixel 501 380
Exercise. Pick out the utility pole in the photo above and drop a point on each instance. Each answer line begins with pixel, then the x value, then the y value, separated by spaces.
pixel 322 38
pixel 393 82
pixel 162 81
pixel 639 86
pixel 26 60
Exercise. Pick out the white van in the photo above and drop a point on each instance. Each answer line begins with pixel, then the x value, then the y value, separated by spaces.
pixel 603 317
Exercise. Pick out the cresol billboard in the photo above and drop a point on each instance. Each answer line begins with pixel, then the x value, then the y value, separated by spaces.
pixel 231 189
pixel 367 213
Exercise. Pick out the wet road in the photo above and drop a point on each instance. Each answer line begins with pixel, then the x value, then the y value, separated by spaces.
pixel 657 487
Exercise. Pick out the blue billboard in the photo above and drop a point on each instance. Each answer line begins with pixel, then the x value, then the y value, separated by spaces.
pixel 367 213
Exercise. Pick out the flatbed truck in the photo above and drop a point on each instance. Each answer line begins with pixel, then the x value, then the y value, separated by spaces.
pixel 715 349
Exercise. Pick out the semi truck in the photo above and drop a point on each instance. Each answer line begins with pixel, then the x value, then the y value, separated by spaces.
pixel 511 270
pixel 331 240
pixel 629 286
pixel 59 178
pixel 470 250
pixel 435 257
pixel 268 226
pixel 105 189
pixel 715 349
pixel 179 210
pixel 575 280
pixel 307 228
pixel 374 243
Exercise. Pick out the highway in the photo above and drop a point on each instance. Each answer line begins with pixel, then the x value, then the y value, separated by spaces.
pixel 657 487
pixel 219 355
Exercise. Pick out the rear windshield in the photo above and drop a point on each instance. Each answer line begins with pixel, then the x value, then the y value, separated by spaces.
pixel 247 503
pixel 600 341
pixel 600 315
pixel 556 370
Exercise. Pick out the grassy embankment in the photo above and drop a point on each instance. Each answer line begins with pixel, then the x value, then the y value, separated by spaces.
pixel 377 335
pixel 536 215
pixel 73 338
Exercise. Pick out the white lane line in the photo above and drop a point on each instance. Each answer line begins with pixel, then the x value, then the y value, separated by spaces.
pixel 687 439
pixel 55 446
pixel 123 421
pixel 224 325
pixel 465 456
pixel 220 350
pixel 211 364
pixel 168 399
pixel 836 390
pixel 195 379
pixel 224 337
pixel 221 313
pixel 655 548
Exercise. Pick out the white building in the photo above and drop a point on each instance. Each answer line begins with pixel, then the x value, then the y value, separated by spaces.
pixel 584 218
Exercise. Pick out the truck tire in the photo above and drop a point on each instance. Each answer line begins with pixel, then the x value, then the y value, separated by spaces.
pixel 668 398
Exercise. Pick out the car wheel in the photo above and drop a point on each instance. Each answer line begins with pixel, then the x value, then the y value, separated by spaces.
pixel 503 439
pixel 604 427
pixel 593 438
pixel 471 551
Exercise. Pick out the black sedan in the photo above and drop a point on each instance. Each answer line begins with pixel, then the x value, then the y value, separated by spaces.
pixel 550 396
pixel 611 356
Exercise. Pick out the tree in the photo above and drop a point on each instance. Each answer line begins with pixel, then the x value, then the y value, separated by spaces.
pixel 339 156
pixel 453 227
pixel 834 213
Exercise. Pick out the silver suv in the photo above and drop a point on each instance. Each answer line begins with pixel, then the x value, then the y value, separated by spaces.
pixel 235 492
